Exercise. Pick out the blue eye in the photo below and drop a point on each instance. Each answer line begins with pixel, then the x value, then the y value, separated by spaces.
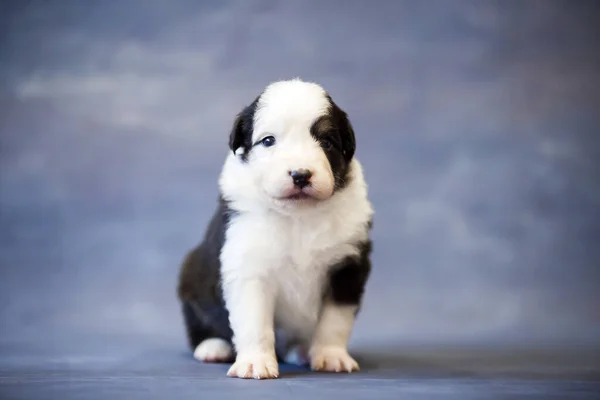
pixel 268 141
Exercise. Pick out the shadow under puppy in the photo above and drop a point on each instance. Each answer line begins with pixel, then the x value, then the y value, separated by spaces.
pixel 281 271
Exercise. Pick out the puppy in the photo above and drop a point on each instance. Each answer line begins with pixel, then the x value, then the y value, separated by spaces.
pixel 281 271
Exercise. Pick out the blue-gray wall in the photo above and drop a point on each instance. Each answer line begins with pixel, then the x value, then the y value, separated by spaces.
pixel 477 125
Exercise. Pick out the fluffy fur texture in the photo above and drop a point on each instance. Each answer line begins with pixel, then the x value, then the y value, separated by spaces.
pixel 283 265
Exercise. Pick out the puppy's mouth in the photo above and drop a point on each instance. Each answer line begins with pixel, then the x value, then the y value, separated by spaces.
pixel 296 196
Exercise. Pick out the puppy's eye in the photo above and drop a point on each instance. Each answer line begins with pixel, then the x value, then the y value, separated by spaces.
pixel 268 141
pixel 327 144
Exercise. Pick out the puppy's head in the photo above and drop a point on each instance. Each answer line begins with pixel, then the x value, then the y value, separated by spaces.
pixel 292 146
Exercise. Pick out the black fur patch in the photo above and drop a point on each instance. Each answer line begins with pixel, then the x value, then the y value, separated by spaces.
pixel 199 287
pixel 348 278
pixel 241 133
pixel 335 134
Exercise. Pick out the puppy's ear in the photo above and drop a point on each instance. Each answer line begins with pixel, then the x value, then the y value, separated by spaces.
pixel 345 130
pixel 348 139
pixel 243 126
pixel 237 135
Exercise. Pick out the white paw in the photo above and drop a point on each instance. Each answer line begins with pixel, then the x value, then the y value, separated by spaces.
pixel 332 359
pixel 257 366
pixel 214 350
pixel 297 355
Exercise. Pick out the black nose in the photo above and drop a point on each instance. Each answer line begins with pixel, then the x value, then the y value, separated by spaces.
pixel 301 177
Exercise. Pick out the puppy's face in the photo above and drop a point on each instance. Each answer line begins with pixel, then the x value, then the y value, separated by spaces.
pixel 293 144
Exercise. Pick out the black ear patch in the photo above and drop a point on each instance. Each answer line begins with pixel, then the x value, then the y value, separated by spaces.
pixel 344 128
pixel 243 126
pixel 336 136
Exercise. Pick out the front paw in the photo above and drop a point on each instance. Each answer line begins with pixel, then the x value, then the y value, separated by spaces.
pixel 332 359
pixel 257 366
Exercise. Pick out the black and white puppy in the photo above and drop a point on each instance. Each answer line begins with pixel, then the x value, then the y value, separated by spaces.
pixel 286 254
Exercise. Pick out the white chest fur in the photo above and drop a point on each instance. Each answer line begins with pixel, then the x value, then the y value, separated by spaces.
pixel 293 255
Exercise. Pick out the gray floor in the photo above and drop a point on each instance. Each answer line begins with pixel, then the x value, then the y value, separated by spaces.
pixel 129 369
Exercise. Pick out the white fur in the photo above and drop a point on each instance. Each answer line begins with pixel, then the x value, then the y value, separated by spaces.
pixel 277 252
pixel 329 347
pixel 213 350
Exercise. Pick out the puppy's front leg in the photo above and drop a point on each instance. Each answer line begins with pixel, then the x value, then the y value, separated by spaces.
pixel 250 302
pixel 329 347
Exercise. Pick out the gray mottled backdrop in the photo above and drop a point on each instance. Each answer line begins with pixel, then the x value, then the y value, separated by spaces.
pixel 477 125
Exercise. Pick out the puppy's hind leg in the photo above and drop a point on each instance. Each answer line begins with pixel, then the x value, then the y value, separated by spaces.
pixel 210 342
pixel 204 313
